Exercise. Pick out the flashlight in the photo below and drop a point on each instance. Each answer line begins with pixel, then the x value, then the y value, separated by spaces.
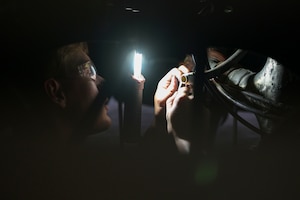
pixel 137 65
pixel 131 125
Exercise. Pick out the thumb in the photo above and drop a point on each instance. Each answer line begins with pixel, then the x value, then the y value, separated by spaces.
pixel 170 90
pixel 173 85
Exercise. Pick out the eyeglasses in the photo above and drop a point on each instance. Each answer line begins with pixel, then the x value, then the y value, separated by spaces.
pixel 87 70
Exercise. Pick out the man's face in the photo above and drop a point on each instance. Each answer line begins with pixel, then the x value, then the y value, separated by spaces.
pixel 215 57
pixel 85 103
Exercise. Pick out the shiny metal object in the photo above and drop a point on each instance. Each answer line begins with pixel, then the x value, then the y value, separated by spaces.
pixel 187 78
pixel 269 84
pixel 269 81
pixel 261 93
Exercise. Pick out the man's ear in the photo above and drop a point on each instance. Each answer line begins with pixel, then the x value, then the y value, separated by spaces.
pixel 55 92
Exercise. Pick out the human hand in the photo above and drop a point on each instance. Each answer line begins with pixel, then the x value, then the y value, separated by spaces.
pixel 166 87
pixel 172 105
pixel 179 113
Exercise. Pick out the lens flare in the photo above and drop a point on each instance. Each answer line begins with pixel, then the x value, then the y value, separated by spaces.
pixel 206 172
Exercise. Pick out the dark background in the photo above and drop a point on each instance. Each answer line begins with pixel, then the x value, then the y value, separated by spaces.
pixel 164 31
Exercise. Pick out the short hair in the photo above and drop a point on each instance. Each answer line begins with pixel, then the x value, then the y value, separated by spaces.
pixel 227 52
pixel 26 69
pixel 56 64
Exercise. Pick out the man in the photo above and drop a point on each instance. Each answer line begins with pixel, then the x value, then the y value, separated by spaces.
pixel 65 98
pixel 74 88
pixel 58 100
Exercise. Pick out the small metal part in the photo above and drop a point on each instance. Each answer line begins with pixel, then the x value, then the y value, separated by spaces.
pixel 187 78
pixel 270 80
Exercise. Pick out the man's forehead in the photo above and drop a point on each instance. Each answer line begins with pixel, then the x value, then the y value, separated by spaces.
pixel 75 58
pixel 77 62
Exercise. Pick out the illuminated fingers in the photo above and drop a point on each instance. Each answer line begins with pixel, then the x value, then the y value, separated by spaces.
pixel 173 85
pixel 168 85
pixel 183 69
pixel 170 101
pixel 166 80
pixel 162 94
pixel 181 95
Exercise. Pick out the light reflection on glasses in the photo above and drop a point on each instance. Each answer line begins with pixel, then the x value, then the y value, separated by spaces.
pixel 87 70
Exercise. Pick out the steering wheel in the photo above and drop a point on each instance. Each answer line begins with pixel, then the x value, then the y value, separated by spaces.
pixel 234 98
pixel 225 65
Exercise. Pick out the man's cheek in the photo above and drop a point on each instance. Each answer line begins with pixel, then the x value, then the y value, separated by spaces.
pixel 103 121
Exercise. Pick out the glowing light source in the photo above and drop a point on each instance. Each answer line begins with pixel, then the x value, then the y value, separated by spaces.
pixel 137 65
pixel 131 128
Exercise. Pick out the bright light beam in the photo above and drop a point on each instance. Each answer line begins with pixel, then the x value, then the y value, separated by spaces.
pixel 137 65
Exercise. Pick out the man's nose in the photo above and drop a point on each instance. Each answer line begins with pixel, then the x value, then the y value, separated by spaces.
pixel 103 86
pixel 99 80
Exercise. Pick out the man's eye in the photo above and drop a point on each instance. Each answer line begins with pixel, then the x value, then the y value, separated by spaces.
pixel 88 70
